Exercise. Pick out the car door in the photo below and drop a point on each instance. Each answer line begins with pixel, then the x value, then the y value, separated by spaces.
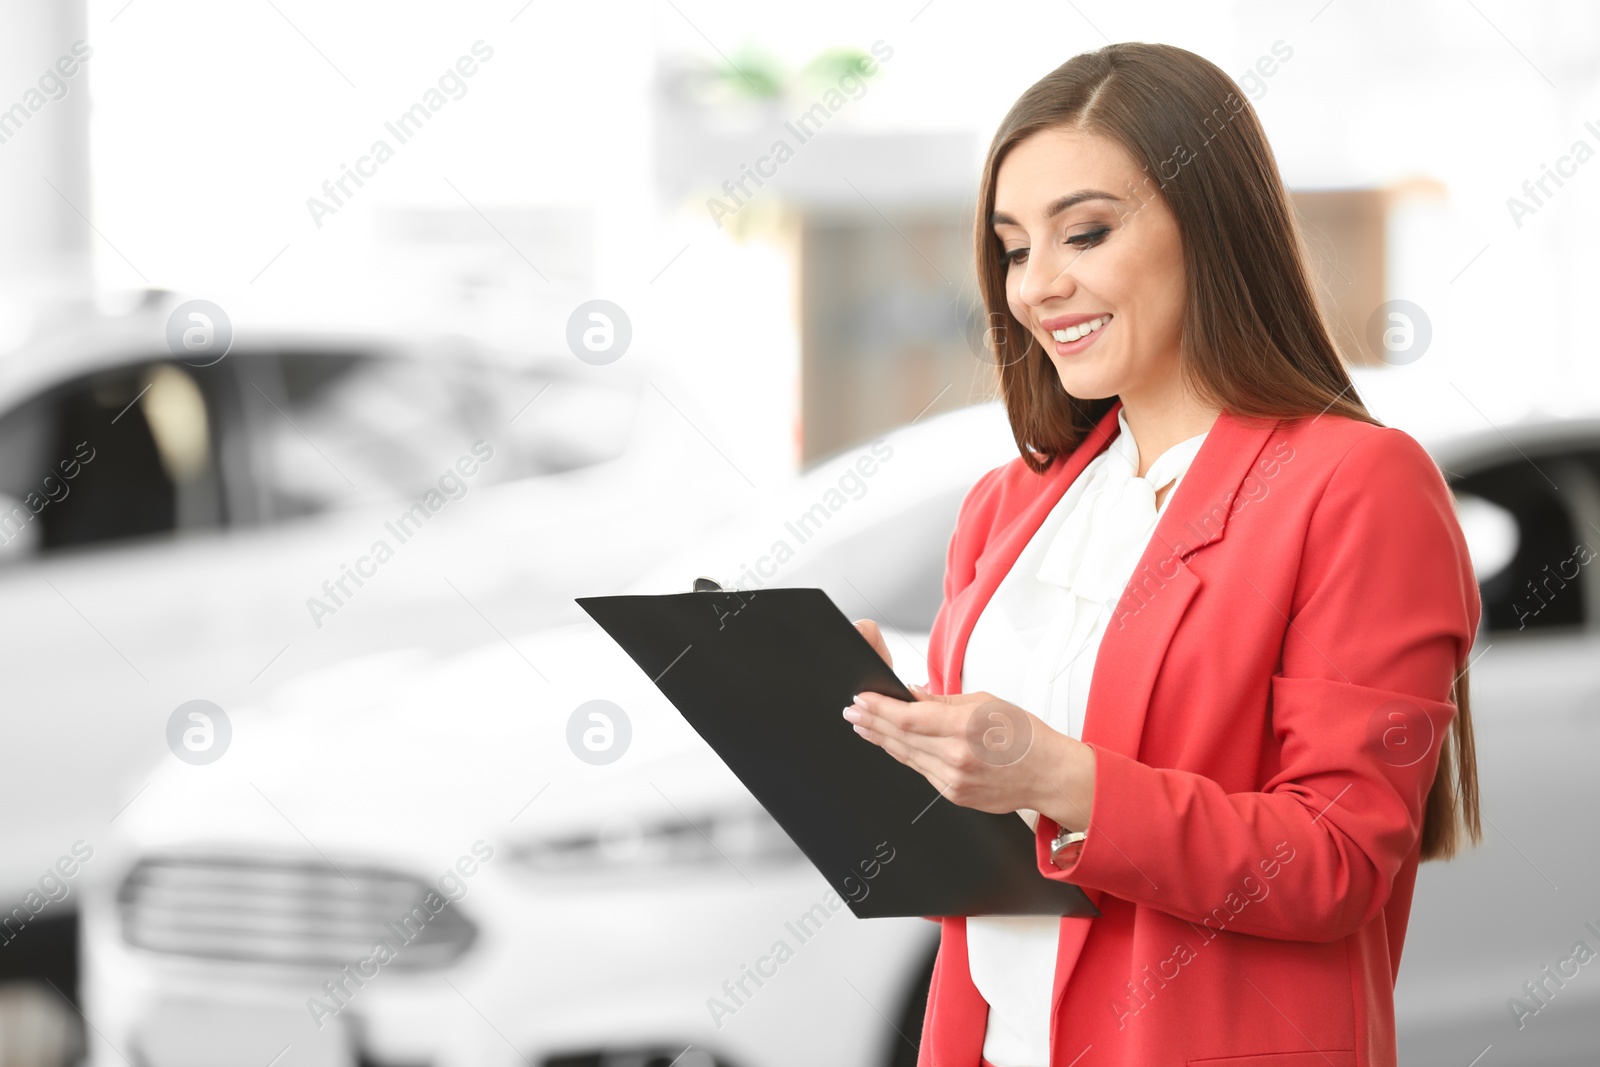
pixel 166 530
pixel 109 483
pixel 1493 919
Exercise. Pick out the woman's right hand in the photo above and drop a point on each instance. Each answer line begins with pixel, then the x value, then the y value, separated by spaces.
pixel 874 636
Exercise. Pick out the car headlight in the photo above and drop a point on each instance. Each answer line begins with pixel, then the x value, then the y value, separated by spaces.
pixel 736 838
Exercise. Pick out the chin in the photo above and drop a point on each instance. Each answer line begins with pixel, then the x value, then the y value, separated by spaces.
pixel 1087 386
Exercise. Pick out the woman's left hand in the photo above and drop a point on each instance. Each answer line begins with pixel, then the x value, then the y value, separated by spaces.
pixel 982 752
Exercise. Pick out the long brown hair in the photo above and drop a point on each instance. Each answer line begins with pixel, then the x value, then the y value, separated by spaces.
pixel 1253 341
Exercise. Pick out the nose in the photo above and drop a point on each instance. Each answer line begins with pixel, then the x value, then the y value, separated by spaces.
pixel 1047 277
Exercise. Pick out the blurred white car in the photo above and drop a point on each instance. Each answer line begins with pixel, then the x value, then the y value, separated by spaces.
pixel 615 913
pixel 178 529
pixel 644 911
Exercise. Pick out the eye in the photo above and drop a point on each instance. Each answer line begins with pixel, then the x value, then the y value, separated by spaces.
pixel 1079 241
pixel 1088 240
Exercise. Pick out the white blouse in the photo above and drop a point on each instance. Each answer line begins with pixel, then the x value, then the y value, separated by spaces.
pixel 1034 644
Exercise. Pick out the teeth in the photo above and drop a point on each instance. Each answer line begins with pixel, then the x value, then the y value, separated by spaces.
pixel 1072 333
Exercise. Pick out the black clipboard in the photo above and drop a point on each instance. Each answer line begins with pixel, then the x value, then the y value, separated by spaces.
pixel 762 676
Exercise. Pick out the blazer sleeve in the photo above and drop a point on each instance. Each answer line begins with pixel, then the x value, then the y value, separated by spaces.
pixel 1383 615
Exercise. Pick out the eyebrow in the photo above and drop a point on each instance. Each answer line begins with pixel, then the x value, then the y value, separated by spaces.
pixel 1056 206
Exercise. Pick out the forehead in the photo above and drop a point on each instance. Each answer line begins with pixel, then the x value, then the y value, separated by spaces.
pixel 1052 162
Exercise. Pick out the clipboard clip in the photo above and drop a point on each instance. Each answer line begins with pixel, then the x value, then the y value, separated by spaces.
pixel 720 606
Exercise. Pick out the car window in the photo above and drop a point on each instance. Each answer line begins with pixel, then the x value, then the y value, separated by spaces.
pixel 339 429
pixel 546 419
pixel 126 452
pixel 1525 530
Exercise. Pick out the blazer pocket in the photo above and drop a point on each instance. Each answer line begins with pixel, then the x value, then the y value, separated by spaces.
pixel 1339 1058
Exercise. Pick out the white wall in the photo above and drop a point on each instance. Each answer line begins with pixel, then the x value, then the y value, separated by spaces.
pixel 214 123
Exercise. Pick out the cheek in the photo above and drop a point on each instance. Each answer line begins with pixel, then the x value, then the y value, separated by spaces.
pixel 1149 284
pixel 1165 275
pixel 1167 297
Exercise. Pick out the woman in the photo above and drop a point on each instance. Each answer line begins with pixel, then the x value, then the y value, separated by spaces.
pixel 1268 588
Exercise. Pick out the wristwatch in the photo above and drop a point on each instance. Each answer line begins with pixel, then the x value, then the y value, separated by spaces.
pixel 1064 850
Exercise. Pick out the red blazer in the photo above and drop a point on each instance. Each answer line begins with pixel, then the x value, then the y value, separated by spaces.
pixel 1266 716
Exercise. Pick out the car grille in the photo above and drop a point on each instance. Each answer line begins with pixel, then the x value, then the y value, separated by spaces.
pixel 288 912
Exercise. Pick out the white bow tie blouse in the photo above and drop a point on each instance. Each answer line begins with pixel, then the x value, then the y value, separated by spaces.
pixel 1034 644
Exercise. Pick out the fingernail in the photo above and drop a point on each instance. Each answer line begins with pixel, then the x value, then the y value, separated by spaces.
pixel 852 714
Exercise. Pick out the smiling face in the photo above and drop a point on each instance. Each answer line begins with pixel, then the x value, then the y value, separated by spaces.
pixel 1088 240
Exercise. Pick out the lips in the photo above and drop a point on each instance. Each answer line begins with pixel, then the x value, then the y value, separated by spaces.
pixel 1061 322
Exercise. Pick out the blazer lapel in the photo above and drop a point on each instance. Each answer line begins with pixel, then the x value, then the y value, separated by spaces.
pixel 1196 516
pixel 1013 535
pixel 1155 599
pixel 1162 584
